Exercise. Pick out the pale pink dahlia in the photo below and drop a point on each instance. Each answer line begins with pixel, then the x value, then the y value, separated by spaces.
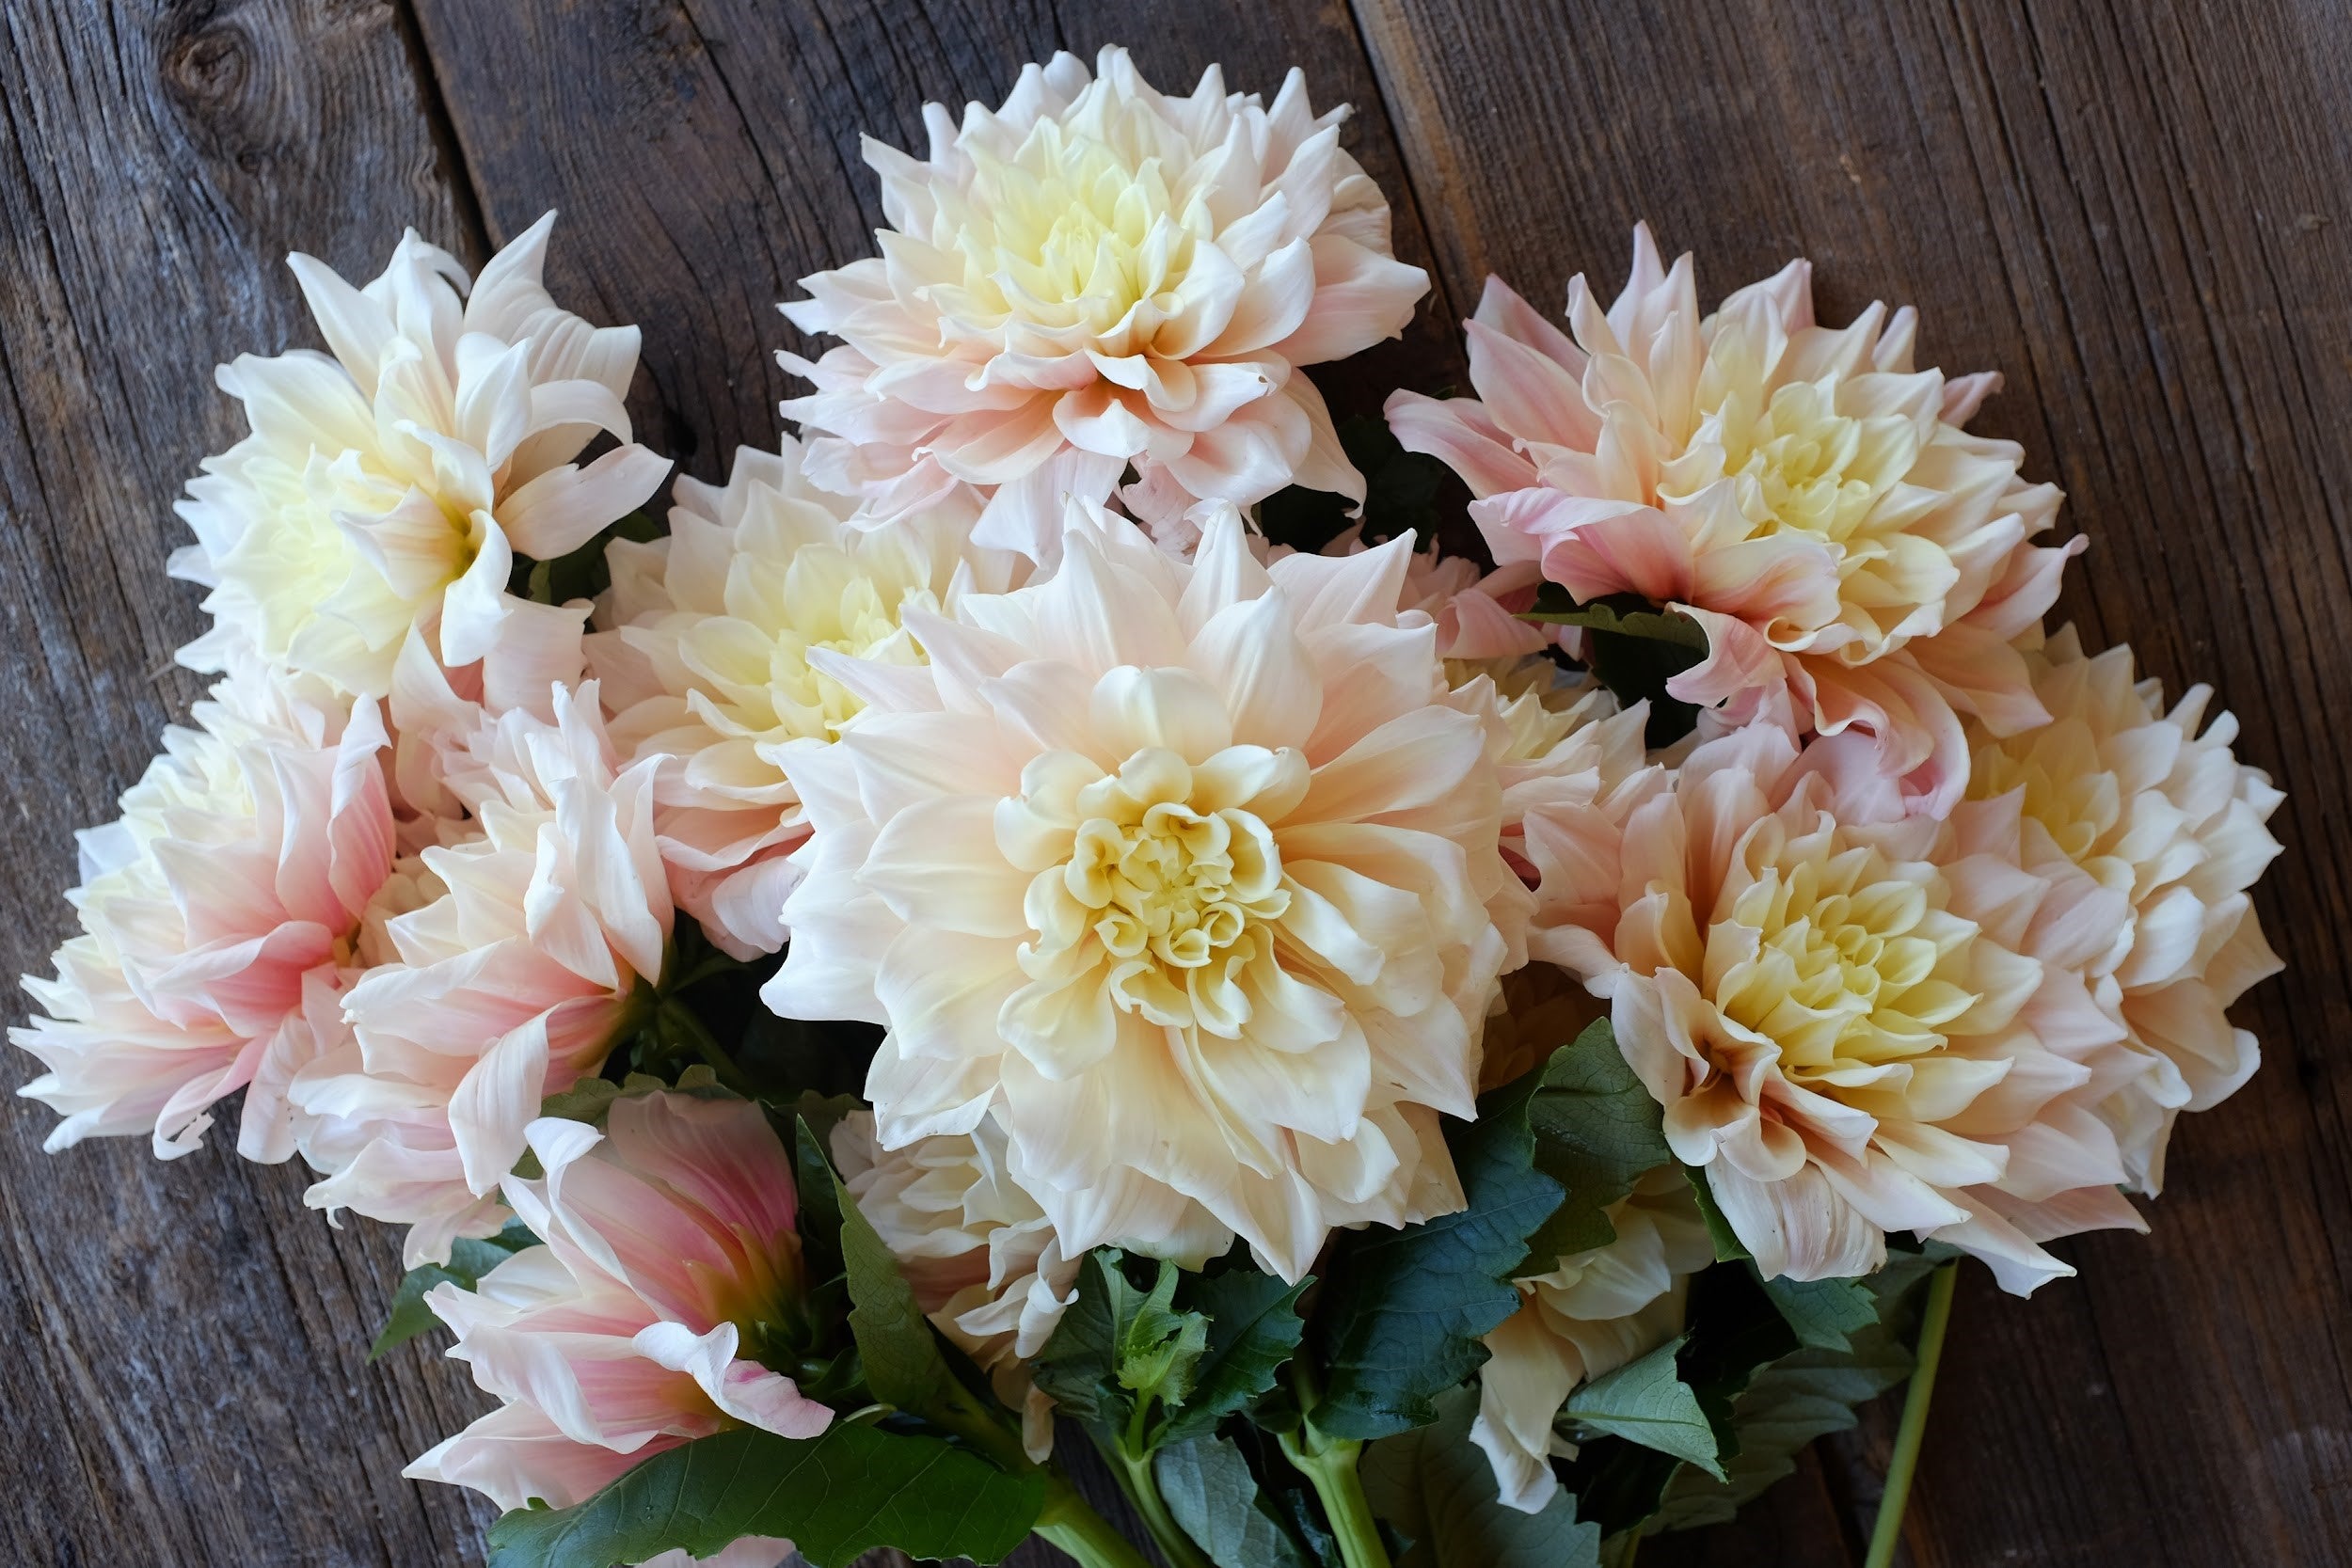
pixel 668 1276
pixel 1860 1021
pixel 2168 818
pixel 533 958
pixel 1857 560
pixel 1187 872
pixel 706 664
pixel 388 485
pixel 1097 276
pixel 217 913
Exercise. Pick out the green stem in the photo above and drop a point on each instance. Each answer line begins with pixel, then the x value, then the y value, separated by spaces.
pixel 1135 1473
pixel 1086 1535
pixel 1888 1532
pixel 1329 1466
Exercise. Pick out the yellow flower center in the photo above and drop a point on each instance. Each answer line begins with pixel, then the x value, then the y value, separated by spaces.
pixel 1837 954
pixel 1168 881
pixel 1072 231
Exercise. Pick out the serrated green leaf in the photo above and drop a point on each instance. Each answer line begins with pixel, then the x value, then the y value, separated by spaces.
pixel 1823 1312
pixel 1634 648
pixel 895 1342
pixel 1253 1328
pixel 1210 1492
pixel 469 1259
pixel 1405 1309
pixel 1160 1344
pixel 1436 1486
pixel 1728 1246
pixel 1078 1366
pixel 1617 615
pixel 1596 1132
pixel 1647 1402
pixel 836 1497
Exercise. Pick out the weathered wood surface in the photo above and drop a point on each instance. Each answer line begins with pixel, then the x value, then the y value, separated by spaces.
pixel 2136 212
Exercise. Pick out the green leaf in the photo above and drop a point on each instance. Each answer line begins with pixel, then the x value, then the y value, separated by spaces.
pixel 1160 1345
pixel 1436 1486
pixel 836 1496
pixel 1647 1402
pixel 1078 1366
pixel 1620 615
pixel 1404 1310
pixel 1253 1328
pixel 469 1259
pixel 1728 1246
pixel 895 1344
pixel 1597 1130
pixel 1209 1491
pixel 1825 1313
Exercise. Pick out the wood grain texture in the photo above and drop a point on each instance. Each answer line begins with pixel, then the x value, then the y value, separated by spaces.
pixel 2136 211
pixel 187 1382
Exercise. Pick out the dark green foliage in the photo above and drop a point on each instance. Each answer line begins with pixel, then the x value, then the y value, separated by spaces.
pixel 1403 1316
pixel 836 1496
pixel 1439 1490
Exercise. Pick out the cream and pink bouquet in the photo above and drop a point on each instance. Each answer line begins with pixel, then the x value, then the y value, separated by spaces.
pixel 1447 990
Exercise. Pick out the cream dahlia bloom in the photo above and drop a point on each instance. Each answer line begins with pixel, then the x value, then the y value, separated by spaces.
pixel 1860 1021
pixel 2171 821
pixel 668 1281
pixel 706 664
pixel 216 913
pixel 982 1257
pixel 388 486
pixel 1183 870
pixel 512 982
pixel 1097 276
pixel 1586 1315
pixel 1858 559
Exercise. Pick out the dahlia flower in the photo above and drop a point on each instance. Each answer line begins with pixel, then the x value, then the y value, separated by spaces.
pixel 215 912
pixel 1585 1315
pixel 706 664
pixel 1860 1021
pixel 530 960
pixel 1097 276
pixel 2171 821
pixel 387 486
pixel 1857 560
pixel 978 1249
pixel 1183 871
pixel 668 1280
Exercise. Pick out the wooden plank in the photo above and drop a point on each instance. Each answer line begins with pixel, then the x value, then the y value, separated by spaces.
pixel 2137 213
pixel 188 1382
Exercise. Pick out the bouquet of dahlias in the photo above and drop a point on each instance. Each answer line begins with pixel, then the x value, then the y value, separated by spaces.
pixel 1047 911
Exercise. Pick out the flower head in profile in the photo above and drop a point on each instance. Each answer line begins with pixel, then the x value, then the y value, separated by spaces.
pixel 707 663
pixel 1182 871
pixel 2166 817
pixel 386 485
pixel 1096 277
pixel 668 1277
pixel 1583 1316
pixel 1860 1021
pixel 1857 560
pixel 528 963
pixel 983 1259
pixel 217 913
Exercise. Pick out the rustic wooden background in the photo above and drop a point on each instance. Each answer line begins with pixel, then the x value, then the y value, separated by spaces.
pixel 2136 211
